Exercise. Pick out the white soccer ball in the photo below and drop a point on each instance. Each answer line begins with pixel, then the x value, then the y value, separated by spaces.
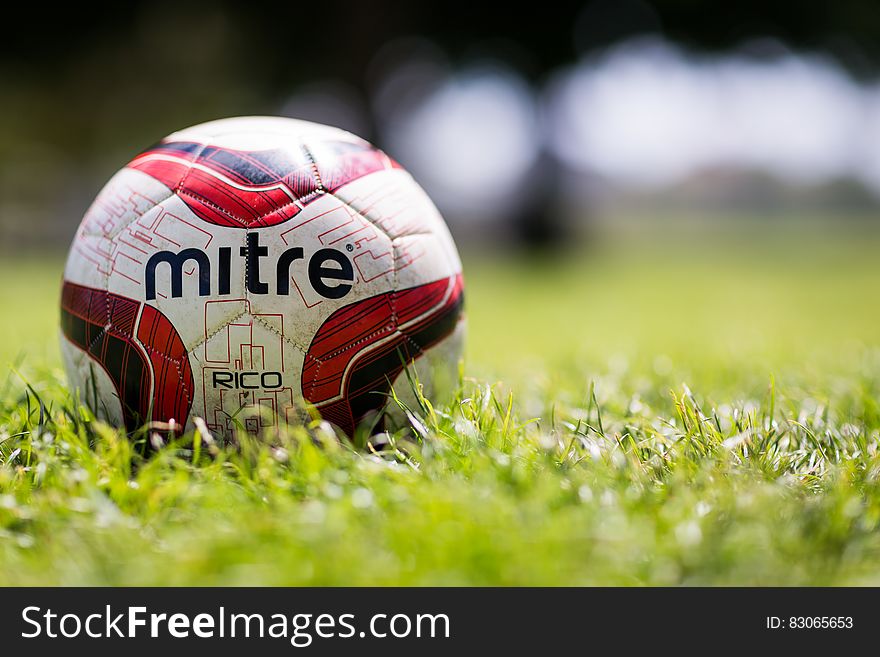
pixel 247 269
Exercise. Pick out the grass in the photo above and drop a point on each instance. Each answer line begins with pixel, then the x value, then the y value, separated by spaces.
pixel 651 412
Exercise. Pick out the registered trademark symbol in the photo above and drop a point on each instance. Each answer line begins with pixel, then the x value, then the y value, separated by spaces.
pixel 349 248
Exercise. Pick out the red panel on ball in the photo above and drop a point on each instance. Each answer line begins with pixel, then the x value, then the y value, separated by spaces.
pixel 136 346
pixel 254 189
pixel 361 348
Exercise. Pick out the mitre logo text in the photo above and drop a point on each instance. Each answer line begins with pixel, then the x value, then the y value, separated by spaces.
pixel 330 271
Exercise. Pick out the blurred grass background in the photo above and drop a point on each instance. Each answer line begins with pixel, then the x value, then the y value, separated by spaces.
pixel 725 307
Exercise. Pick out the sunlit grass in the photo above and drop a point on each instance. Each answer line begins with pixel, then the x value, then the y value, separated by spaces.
pixel 660 413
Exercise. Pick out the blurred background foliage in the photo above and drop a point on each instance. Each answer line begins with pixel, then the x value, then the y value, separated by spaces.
pixel 526 124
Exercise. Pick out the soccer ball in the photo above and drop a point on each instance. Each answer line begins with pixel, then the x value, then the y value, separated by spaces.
pixel 248 270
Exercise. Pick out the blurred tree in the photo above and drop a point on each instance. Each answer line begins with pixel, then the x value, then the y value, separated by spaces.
pixel 83 86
